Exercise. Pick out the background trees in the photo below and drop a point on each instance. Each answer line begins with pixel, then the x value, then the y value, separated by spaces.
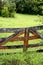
pixel 29 6
pixel 8 7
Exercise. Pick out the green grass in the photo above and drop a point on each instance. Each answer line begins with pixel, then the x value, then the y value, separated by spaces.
pixel 21 20
pixel 28 58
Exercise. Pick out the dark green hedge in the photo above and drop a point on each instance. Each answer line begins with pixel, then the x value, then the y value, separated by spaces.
pixel 29 6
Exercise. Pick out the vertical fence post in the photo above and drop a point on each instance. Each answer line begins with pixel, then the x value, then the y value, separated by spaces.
pixel 26 35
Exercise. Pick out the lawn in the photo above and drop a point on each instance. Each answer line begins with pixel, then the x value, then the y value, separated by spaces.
pixel 21 20
pixel 30 57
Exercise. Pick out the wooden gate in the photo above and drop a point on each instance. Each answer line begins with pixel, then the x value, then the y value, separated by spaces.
pixel 16 37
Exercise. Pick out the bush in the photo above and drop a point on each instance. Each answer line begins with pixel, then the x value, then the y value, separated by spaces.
pixel 29 6
pixel 5 12
pixel 7 9
pixel 41 9
pixel 11 14
pixel 12 8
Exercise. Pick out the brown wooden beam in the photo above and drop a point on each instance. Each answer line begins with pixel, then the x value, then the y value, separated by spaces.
pixel 38 34
pixel 33 37
pixel 22 38
pixel 21 46
pixel 19 39
pixel 26 35
pixel 14 36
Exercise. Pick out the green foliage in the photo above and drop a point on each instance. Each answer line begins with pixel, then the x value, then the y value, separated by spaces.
pixel 41 9
pixel 29 6
pixel 12 8
pixel 7 9
pixel 22 6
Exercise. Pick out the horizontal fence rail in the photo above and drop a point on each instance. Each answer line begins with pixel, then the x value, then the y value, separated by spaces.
pixel 2 30
pixel 21 46
pixel 16 37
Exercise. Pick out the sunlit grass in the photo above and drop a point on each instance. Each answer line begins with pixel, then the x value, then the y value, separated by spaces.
pixel 21 20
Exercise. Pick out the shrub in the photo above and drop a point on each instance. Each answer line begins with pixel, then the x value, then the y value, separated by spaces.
pixel 7 9
pixel 5 12
pixel 29 6
pixel 11 14
pixel 12 8
pixel 41 10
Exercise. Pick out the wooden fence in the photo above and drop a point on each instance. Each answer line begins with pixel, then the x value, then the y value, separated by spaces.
pixel 16 37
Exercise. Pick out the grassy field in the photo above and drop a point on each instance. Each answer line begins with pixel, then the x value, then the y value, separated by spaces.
pixel 21 20
pixel 17 56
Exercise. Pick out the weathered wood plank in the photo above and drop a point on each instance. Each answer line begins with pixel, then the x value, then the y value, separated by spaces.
pixel 40 35
pixel 21 46
pixel 16 39
pixel 9 30
pixel 37 27
pixel 13 36
pixel 19 39
pixel 26 36
pixel 36 33
pixel 3 30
